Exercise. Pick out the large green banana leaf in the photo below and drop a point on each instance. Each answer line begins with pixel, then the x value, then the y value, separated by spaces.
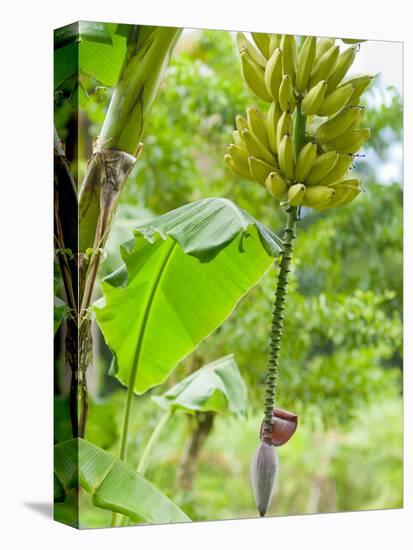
pixel 183 274
pixel 217 387
pixel 112 484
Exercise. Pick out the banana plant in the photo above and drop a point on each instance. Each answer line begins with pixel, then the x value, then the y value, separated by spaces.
pixel 300 151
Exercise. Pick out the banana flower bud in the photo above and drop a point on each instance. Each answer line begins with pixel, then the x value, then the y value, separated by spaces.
pixel 264 468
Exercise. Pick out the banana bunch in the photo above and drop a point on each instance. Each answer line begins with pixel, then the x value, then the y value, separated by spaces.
pixel 305 82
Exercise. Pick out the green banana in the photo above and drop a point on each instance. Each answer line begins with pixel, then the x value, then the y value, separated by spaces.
pixel 335 101
pixel 338 124
pixel 321 167
pixel 360 84
pixel 352 40
pixel 273 116
pixel 305 161
pixel 323 45
pixel 238 155
pixel 254 76
pixel 245 45
pixel 237 170
pixel 238 139
pixel 257 126
pixel 289 49
pixel 343 64
pixel 324 66
pixel 305 63
pixel 284 127
pixel 273 73
pixel 262 41
pixel 286 157
pixel 276 185
pixel 349 142
pixel 241 124
pixel 259 169
pixel 346 192
pixel 286 96
pixel 296 194
pixel 314 98
pixel 340 169
pixel 318 196
pixel 256 149
pixel 275 41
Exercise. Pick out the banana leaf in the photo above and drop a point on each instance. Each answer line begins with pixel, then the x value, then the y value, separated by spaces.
pixel 183 274
pixel 60 310
pixel 216 387
pixel 112 484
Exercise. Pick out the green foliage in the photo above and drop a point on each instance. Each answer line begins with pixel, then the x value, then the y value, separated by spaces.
pixel 114 485
pixel 182 275
pixel 215 387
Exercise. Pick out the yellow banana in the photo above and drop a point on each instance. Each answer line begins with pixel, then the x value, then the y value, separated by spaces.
pixel 336 100
pixel 296 194
pixel 284 127
pixel 276 185
pixel 236 170
pixel 259 169
pixel 286 97
pixel 323 45
pixel 257 126
pixel 254 76
pixel 318 196
pixel 324 66
pixel 349 142
pixel 262 41
pixel 340 169
pixel 288 46
pixel 343 64
pixel 286 157
pixel 305 63
pixel 305 161
pixel 338 124
pixel 321 167
pixel 273 116
pixel 314 98
pixel 273 73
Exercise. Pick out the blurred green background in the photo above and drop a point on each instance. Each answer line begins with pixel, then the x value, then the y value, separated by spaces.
pixel 341 357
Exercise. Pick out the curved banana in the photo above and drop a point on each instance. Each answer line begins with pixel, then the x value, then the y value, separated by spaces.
pixel 239 156
pixel 323 45
pixel 349 142
pixel 296 194
pixel 338 172
pixel 256 149
pixel 254 76
pixel 245 45
pixel 305 161
pixel 273 73
pixel 338 124
pixel 343 64
pixel 276 185
pixel 238 139
pixel 275 41
pixel 262 41
pixel 289 49
pixel 259 169
pixel 305 63
pixel 286 157
pixel 360 84
pixel 273 116
pixel 236 170
pixel 336 100
pixel 286 97
pixel 284 127
pixel 321 167
pixel 324 66
pixel 314 98
pixel 318 196
pixel 257 126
